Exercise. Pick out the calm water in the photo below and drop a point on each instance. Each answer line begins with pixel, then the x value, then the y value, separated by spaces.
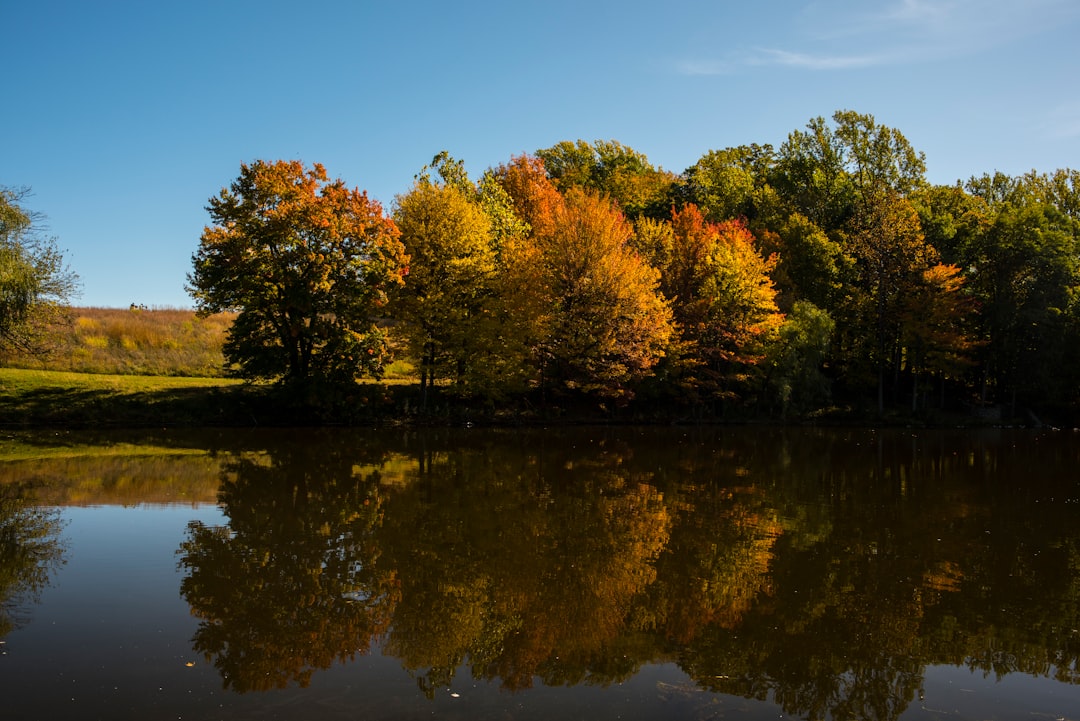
pixel 631 573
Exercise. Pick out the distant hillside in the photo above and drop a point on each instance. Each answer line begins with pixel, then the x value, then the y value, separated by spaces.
pixel 140 341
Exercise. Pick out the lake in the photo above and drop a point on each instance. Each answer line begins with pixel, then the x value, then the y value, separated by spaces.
pixel 572 573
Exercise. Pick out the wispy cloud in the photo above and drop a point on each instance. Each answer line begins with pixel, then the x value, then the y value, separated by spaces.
pixel 766 57
pixel 773 57
pixel 839 35
pixel 813 62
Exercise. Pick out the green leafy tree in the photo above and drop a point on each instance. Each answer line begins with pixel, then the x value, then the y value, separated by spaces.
pixel 1060 189
pixel 1024 272
pixel 951 218
pixel 877 156
pixel 722 182
pixel 1000 188
pixel 795 360
pixel 891 254
pixel 623 173
pixel 307 264
pixel 593 166
pixel 35 283
pixel 1063 191
pixel 811 175
pixel 811 266
pixel 825 170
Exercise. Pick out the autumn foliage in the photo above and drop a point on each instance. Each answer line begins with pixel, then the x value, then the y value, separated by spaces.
pixel 826 273
pixel 306 263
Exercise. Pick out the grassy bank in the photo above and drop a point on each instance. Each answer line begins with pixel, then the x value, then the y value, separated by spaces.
pixel 140 367
pixel 65 399
pixel 59 399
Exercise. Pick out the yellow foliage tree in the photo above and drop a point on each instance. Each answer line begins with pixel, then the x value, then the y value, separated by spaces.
pixel 449 283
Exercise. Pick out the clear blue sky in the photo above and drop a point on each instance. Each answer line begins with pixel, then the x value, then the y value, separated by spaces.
pixel 125 117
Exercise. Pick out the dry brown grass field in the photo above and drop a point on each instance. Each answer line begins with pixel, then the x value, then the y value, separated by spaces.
pixel 136 341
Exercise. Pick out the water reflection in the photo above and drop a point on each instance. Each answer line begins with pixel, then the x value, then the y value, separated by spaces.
pixel 291 585
pixel 31 550
pixel 825 570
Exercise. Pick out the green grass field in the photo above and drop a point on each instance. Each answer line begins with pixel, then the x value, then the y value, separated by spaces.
pixel 65 399
pixel 60 399
pixel 21 381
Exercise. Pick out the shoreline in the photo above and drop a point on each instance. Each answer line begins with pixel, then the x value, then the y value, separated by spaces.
pixel 35 400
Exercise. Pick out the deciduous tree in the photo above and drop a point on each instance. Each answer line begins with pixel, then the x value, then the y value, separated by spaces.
pixel 891 254
pixel 722 182
pixel 35 283
pixel 534 196
pixel 601 323
pixel 448 292
pixel 938 327
pixel 306 263
pixel 796 358
pixel 811 175
pixel 811 266
pixel 951 218
pixel 722 297
pixel 607 166
pixel 825 170
pixel 741 315
pixel 1025 271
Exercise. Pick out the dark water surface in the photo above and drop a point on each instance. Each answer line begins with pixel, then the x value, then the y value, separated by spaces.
pixel 584 573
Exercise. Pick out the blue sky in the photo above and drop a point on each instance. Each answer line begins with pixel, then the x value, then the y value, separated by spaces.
pixel 125 117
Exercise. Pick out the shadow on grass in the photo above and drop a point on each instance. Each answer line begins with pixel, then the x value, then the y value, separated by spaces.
pixel 237 406
pixel 33 405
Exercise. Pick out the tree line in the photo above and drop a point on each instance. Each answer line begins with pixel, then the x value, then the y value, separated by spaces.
pixel 825 273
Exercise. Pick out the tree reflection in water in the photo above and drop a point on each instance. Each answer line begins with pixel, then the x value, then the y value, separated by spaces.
pixel 291 585
pixel 823 569
pixel 31 550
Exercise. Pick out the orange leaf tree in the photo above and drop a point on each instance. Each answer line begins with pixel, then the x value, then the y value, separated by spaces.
pixel 937 326
pixel 306 263
pixel 608 324
pixel 722 297
pixel 597 321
